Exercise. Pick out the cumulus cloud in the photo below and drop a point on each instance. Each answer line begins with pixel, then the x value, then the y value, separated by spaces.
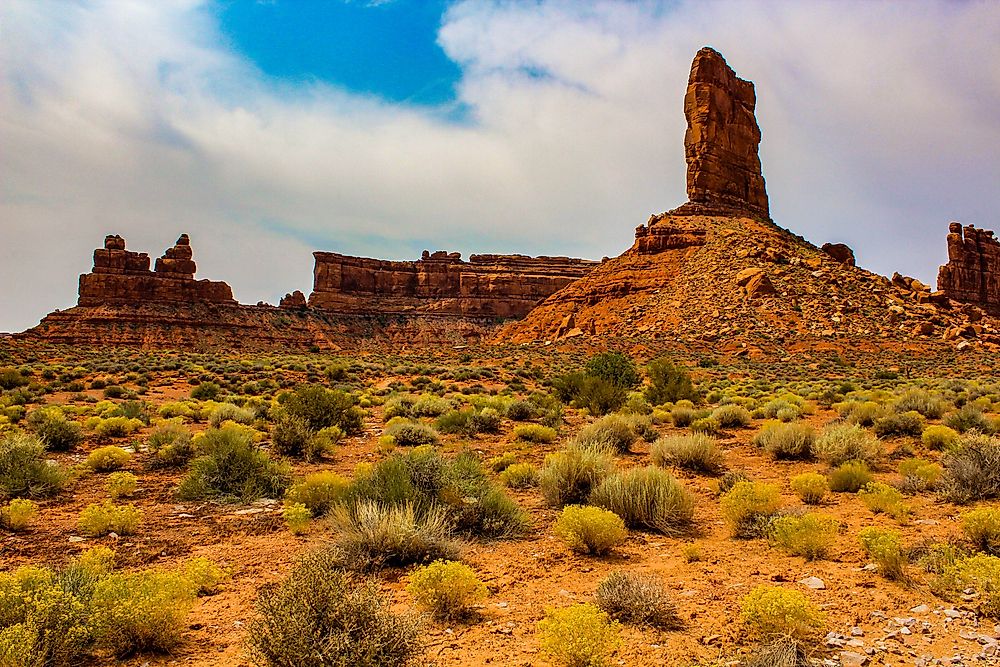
pixel 880 125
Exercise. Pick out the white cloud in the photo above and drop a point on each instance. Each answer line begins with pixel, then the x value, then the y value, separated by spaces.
pixel 880 124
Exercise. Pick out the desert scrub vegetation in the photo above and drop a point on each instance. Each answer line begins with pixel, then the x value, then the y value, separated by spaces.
pixel 668 383
pixel 922 402
pixel 786 440
pixel 292 436
pixel 578 636
pixel 969 418
pixel 979 574
pixel 847 442
pixel 322 408
pixel 104 518
pixel 568 476
pixel 939 436
pixel 810 535
pixel 646 498
pixel 981 527
pixel 637 599
pixel 885 548
pixel 919 475
pixel 972 470
pixel 749 508
pixel 613 432
pixel 58 433
pixel 850 477
pixel 405 433
pixel 171 444
pixel 18 514
pixel 899 424
pixel 323 616
pixel 591 530
pixel 121 485
pixel 24 471
pixel 230 466
pixel 297 518
pixel 732 416
pixel 318 492
pixel 697 452
pixel 535 433
pixel 810 487
pixel 370 535
pixel 884 499
pixel 448 589
pixel 107 459
pixel 772 611
pixel 519 476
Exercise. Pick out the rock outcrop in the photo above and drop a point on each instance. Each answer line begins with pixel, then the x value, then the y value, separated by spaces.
pixel 495 286
pixel 840 252
pixel 123 277
pixel 972 274
pixel 720 145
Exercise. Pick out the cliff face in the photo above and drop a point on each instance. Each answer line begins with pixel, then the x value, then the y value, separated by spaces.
pixel 492 286
pixel 972 274
pixel 122 276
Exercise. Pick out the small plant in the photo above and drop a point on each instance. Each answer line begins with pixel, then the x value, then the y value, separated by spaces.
pixel 232 467
pixel 18 514
pixel 318 611
pixel 319 492
pixel 322 408
pixel 732 416
pixel 579 636
pixel 205 576
pixel 411 434
pixel 447 588
pixel 706 425
pixel 121 485
pixel 105 518
pixel 968 418
pixel 613 432
pixel 939 437
pixel 771 611
pixel 668 383
pixel 919 475
pixel 906 423
pixel 648 498
pixel 847 442
pixel 972 470
pixel 24 472
pixel 568 476
pixel 809 535
pixel 116 427
pixel 519 476
pixel 534 433
pixel 885 548
pixel 682 416
pixel 297 517
pixel 811 487
pixel 749 508
pixel 697 452
pixel 371 535
pixel 980 574
pixel 614 368
pixel 786 440
pixel 171 444
pixel 691 553
pixel 106 459
pixel 637 599
pixel 590 529
pixel 500 463
pixel 206 391
pixel 982 527
pixel 850 477
pixel 58 433
pixel 922 402
pixel 884 499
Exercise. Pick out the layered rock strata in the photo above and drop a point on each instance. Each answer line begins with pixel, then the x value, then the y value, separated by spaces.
pixel 496 286
pixel 972 274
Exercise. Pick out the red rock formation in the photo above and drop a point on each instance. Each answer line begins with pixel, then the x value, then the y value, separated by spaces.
pixel 972 274
pixel 840 252
pixel 663 232
pixel 723 168
pixel 122 276
pixel 293 301
pixel 441 283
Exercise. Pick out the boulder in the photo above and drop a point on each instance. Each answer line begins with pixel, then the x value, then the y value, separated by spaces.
pixel 840 252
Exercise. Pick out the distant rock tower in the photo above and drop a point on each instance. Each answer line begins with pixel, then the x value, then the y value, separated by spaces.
pixel 972 274
pixel 720 145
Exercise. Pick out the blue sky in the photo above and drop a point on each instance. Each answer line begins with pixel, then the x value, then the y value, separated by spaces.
pixel 269 130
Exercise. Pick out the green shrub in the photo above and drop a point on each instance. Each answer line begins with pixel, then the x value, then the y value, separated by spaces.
pixel 811 487
pixel 456 421
pixel 590 529
pixel 968 418
pixel 171 444
pixel 850 477
pixel 863 413
pixel 919 475
pixel 982 527
pixel 106 459
pixel 117 427
pixel 683 416
pixel 411 434
pixel 749 508
pixel 534 433
pixel 667 383
pixel 637 599
pixel 224 412
pixel 58 433
pixel 578 636
pixel 614 368
pixel 323 617
pixel 429 406
pixel 519 476
pixel 204 575
pixel 732 416
pixel 939 437
pixel 885 548
pixel 972 470
pixel 842 443
pixel 319 492
pixel 520 411
pixel 291 436
pixel 18 514
pixel 568 476
pixel 206 391
pixel 922 402
pixel 486 420
pixel 11 378
pixel 121 484
pixel 613 432
pixel 141 611
pixel 771 611
pixel 447 589
pixel 297 517
pixel 500 463
pixel 809 535
pixel 980 574
pixel 108 518
pixel 646 498
pixel 904 423
pixel 24 472
pixel 43 625
pixel 371 535
pixel 697 452
pixel 706 425
pixel 321 408
pixel 884 499
pixel 786 441
pixel 230 467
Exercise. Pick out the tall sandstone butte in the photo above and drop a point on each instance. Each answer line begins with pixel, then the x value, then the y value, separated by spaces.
pixel 122 277
pixel 720 145
pixel 972 274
